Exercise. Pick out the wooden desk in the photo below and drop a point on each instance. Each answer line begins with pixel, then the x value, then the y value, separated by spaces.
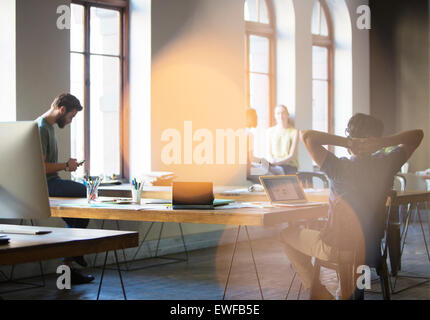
pixel 238 216
pixel 410 200
pixel 406 197
pixel 63 242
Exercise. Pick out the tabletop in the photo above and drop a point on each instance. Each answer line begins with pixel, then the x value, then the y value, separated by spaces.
pixel 61 242
pixel 233 214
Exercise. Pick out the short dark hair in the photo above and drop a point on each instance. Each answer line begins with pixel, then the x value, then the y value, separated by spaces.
pixel 67 100
pixel 364 126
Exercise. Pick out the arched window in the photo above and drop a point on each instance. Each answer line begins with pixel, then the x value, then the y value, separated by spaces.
pixel 322 69
pixel 260 62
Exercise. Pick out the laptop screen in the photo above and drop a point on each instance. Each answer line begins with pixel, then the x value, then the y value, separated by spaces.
pixel 283 188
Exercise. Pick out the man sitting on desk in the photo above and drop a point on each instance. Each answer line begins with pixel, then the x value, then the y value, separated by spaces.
pixel 62 111
pixel 359 189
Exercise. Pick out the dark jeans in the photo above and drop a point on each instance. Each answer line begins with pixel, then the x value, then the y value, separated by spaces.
pixel 58 187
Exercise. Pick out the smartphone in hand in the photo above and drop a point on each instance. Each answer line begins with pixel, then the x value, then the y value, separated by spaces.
pixel 81 162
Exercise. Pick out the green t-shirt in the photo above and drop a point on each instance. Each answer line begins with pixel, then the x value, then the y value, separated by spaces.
pixel 49 143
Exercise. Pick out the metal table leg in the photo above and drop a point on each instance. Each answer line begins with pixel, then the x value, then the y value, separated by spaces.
pixel 119 273
pixel 232 259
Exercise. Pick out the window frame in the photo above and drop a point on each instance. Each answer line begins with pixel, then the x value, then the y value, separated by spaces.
pixel 328 43
pixel 122 6
pixel 267 31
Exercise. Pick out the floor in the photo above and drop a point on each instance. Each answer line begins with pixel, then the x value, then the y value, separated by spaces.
pixel 205 273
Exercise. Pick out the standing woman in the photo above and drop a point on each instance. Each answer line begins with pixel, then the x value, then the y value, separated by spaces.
pixel 282 143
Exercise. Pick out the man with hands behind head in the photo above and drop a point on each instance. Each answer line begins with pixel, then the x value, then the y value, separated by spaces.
pixel 62 111
pixel 359 187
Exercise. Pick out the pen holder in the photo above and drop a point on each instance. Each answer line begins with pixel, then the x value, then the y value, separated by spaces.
pixel 136 195
pixel 92 192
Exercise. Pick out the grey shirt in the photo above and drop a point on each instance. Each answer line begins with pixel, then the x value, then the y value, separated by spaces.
pixel 49 143
pixel 363 183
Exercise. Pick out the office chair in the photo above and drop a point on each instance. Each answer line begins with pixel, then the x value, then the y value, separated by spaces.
pixel 346 266
pixel 307 179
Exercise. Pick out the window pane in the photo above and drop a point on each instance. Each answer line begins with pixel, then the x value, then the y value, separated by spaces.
pixel 259 98
pixel 316 18
pixel 320 105
pixel 251 10
pixel 77 125
pixel 77 28
pixel 105 28
pixel 258 54
pixel 319 63
pixel 104 115
pixel 264 15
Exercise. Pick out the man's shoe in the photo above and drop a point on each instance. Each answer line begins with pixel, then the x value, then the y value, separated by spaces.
pixel 81 261
pixel 79 278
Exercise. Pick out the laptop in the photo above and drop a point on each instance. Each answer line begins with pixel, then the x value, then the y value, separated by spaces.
pixel 286 190
pixel 195 195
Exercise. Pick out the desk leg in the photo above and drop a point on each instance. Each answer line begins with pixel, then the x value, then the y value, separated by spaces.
pixel 103 273
pixel 403 237
pixel 291 284
pixel 422 230
pixel 255 265
pixel 394 240
pixel 119 272
pixel 144 238
pixel 231 263
pixel 232 259
pixel 172 260
pixel 120 276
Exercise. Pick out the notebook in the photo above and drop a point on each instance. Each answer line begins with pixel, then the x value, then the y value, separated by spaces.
pixel 195 195
pixel 286 190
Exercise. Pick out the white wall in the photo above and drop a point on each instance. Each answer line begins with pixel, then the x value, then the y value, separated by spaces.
pixel 198 75
pixel 303 48
pixel 42 63
pixel 140 87
pixel 7 58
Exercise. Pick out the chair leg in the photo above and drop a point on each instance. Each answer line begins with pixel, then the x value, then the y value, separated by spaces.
pixel 346 280
pixel 315 281
pixel 385 281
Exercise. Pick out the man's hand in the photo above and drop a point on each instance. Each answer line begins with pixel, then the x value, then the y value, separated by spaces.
pixel 72 164
pixel 366 145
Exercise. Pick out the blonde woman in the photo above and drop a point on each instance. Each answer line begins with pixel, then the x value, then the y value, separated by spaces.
pixel 282 140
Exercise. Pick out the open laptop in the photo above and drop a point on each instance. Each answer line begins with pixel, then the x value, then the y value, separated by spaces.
pixel 195 195
pixel 286 190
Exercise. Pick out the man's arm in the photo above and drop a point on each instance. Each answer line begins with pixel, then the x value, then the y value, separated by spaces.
pixel 51 167
pixel 54 167
pixel 315 140
pixel 408 140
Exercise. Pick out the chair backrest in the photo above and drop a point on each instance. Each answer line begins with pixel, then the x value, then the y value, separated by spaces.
pixel 307 179
pixel 399 183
